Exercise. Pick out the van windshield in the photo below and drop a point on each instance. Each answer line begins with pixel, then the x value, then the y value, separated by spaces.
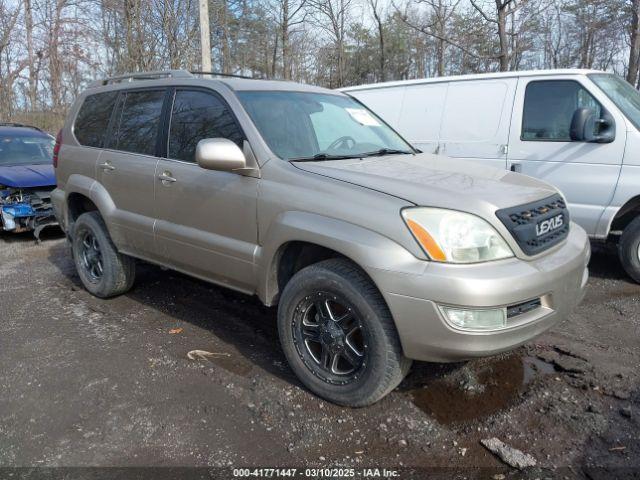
pixel 317 126
pixel 626 98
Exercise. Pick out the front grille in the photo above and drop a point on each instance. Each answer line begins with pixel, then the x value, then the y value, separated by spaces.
pixel 539 225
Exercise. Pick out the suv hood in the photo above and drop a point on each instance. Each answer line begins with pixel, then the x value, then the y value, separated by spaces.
pixel 25 176
pixel 436 181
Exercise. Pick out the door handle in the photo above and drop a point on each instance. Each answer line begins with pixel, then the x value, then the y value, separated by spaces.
pixel 516 167
pixel 106 166
pixel 166 178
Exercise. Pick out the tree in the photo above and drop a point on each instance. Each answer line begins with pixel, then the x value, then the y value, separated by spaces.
pixel 289 13
pixel 634 42
pixel 503 10
pixel 337 14
pixel 377 16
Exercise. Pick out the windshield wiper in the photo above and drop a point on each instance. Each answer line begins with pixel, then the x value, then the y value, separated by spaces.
pixel 386 151
pixel 318 157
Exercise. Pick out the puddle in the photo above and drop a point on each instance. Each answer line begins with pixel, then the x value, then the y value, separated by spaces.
pixel 232 364
pixel 474 392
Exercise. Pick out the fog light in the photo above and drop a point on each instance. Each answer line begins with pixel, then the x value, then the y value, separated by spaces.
pixel 487 319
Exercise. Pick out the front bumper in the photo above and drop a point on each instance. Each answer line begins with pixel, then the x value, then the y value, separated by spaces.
pixel 558 279
pixel 26 210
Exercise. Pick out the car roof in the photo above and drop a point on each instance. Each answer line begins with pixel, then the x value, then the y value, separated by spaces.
pixel 479 76
pixel 242 84
pixel 178 77
pixel 7 130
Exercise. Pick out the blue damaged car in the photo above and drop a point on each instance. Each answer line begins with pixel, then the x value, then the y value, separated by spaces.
pixel 26 179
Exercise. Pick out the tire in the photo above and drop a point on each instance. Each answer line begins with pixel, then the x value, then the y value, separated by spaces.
pixel 103 271
pixel 348 297
pixel 629 249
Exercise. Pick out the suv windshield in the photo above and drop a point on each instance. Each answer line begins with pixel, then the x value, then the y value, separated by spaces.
pixel 621 93
pixel 317 126
pixel 23 149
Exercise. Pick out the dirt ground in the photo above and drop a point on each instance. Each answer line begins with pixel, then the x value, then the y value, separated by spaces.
pixel 89 382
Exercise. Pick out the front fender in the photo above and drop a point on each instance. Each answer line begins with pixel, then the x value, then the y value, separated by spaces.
pixel 368 249
pixel 626 194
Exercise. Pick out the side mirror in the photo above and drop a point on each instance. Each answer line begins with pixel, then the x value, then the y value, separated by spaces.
pixel 220 154
pixel 587 127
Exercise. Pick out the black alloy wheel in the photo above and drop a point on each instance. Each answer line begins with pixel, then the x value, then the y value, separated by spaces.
pixel 330 338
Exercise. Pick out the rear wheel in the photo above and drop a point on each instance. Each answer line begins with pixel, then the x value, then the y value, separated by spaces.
pixel 102 269
pixel 338 335
pixel 629 249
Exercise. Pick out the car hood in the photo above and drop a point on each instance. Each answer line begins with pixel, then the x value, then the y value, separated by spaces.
pixel 25 176
pixel 437 181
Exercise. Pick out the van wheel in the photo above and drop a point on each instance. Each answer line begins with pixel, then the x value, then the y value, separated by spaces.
pixel 103 271
pixel 338 335
pixel 629 249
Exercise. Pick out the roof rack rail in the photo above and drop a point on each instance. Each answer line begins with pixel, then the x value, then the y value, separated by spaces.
pixel 21 125
pixel 220 74
pixel 130 77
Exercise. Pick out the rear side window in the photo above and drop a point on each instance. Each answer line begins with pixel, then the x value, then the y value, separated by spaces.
pixel 137 129
pixel 93 119
pixel 549 106
pixel 195 116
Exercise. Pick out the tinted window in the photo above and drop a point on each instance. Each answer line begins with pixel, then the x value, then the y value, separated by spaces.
pixel 93 119
pixel 139 121
pixel 195 116
pixel 549 107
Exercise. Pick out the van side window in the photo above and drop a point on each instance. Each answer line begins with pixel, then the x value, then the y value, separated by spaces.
pixel 549 106
pixel 195 116
pixel 139 121
pixel 91 124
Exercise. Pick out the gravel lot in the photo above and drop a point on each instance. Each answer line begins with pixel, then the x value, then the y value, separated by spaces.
pixel 88 382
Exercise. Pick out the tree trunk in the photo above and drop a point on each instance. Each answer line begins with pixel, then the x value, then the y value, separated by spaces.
pixel 33 85
pixel 634 53
pixel 502 34
pixel 275 57
pixel 440 48
pixel 55 67
pixel 376 16
pixel 340 63
pixel 286 54
pixel 224 26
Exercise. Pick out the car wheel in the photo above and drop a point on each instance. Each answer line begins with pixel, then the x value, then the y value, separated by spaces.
pixel 338 335
pixel 103 271
pixel 629 249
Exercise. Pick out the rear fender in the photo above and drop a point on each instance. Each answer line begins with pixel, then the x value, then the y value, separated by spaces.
pixel 95 192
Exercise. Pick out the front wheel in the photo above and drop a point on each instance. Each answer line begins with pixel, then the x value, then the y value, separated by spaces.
pixel 629 249
pixel 338 335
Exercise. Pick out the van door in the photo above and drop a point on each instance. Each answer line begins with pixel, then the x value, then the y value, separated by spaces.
pixel 126 169
pixel 206 220
pixel 421 115
pixel 540 144
pixel 475 120
pixel 414 110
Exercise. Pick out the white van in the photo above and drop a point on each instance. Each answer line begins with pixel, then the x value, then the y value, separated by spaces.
pixel 577 129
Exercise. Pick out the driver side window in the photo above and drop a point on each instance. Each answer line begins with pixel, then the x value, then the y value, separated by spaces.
pixel 549 106
pixel 197 115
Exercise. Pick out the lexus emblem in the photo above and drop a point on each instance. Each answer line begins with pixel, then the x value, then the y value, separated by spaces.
pixel 550 224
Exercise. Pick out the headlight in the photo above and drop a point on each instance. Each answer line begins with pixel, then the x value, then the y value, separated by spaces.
pixel 455 237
